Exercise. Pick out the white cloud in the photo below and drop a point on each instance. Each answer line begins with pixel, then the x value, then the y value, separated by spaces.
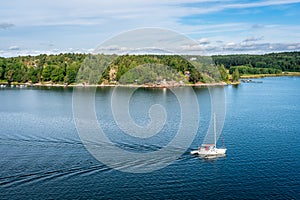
pixel 14 48
pixel 230 44
pixel 253 39
pixel 203 41
pixel 25 52
pixel 261 47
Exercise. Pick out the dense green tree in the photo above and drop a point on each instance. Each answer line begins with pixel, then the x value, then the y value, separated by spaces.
pixel 1 73
pixel 57 74
pixel 9 75
pixel 33 75
pixel 2 68
pixel 235 75
pixel 47 71
pixel 21 74
pixel 223 73
pixel 15 71
pixel 71 73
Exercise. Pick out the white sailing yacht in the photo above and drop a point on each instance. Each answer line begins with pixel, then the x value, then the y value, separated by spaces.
pixel 210 150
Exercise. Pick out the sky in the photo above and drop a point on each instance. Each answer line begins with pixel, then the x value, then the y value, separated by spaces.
pixel 220 27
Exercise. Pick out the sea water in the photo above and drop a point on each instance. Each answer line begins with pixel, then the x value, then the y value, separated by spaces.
pixel 43 157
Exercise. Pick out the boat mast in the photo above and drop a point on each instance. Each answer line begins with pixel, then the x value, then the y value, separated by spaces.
pixel 215 131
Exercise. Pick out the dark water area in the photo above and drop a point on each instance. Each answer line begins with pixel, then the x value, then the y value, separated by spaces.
pixel 42 156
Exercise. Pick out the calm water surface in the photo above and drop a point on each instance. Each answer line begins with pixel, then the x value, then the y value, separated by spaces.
pixel 42 157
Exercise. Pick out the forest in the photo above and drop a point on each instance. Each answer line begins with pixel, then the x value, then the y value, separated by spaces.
pixel 257 64
pixel 70 68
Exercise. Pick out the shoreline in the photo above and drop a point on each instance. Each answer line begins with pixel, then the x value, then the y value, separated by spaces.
pixel 22 85
pixel 269 75
pixel 149 85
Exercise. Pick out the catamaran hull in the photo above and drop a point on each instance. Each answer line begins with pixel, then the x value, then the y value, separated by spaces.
pixel 212 152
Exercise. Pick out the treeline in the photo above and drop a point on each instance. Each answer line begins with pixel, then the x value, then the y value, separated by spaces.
pixel 60 68
pixel 248 69
pixel 255 64
pixel 84 68
pixel 141 69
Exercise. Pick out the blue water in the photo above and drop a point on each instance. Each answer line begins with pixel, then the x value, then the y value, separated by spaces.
pixel 42 156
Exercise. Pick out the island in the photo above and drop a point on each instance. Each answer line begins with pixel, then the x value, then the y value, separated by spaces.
pixel 74 69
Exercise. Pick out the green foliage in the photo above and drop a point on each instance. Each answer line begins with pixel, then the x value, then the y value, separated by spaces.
pixel 47 71
pixel 71 73
pixel 250 70
pixel 93 68
pixel 33 75
pixel 151 73
pixel 174 62
pixel 235 75
pixel 73 68
pixel 57 74
pixel 38 68
pixel 287 61
pixel 14 71
pixel 223 73
pixel 2 68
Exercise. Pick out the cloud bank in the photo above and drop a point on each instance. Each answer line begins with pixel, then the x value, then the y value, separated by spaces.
pixel 85 24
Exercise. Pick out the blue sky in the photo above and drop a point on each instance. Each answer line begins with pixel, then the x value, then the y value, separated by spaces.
pixel 220 27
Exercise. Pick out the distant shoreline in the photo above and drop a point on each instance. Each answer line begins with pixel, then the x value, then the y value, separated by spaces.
pixel 270 75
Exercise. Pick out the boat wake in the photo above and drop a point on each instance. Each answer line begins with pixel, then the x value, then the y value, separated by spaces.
pixel 52 159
